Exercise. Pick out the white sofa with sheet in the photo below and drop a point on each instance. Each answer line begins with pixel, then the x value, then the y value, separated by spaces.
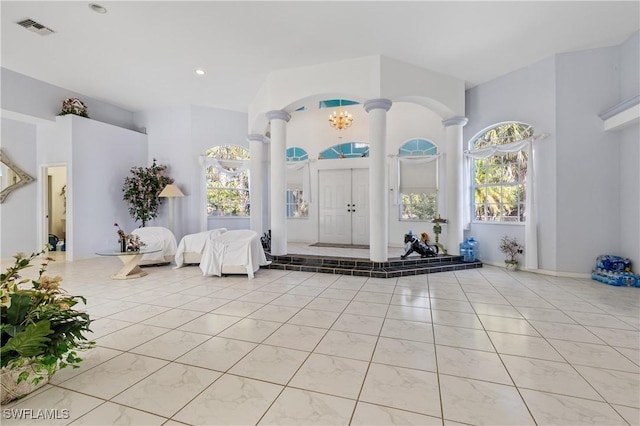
pixel 191 246
pixel 233 252
pixel 157 237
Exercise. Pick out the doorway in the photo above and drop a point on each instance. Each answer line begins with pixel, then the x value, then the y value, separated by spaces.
pixel 55 210
pixel 343 206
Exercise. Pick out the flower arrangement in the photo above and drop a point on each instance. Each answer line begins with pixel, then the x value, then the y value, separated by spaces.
pixel 511 247
pixel 74 106
pixel 129 242
pixel 41 331
pixel 141 191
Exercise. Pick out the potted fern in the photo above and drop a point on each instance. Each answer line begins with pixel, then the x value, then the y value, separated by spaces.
pixel 40 330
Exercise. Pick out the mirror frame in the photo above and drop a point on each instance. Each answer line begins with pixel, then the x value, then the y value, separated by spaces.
pixel 25 178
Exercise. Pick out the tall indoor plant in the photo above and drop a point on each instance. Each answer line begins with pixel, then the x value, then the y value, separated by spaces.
pixel 40 329
pixel 141 191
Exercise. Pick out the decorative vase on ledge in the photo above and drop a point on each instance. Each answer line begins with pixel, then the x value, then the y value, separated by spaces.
pixel 511 265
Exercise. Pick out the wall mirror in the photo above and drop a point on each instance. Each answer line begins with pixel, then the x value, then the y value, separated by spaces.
pixel 11 176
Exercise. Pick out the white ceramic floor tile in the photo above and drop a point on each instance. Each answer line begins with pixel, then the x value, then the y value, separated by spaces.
pixel 598 320
pixel 462 338
pixel 456 319
pixel 347 345
pixel 508 325
pixel 451 305
pixel 173 318
pixel 372 297
pixel 482 403
pixel 472 364
pixel 496 310
pixel 371 414
pixel 270 363
pixel 409 313
pixel 217 353
pixel 301 407
pixel 405 353
pixel 594 356
pixel 529 346
pixel 631 415
pixel 230 400
pixel 331 375
pixel 210 324
pixel 67 405
pixel 358 324
pixel 274 313
pixel 405 300
pixel 114 375
pixel 325 304
pixel 408 330
pixel 252 330
pixel 296 337
pixel 617 387
pixel 130 337
pixel 205 304
pixel 552 409
pixel 314 318
pixel 90 358
pixel 402 388
pixel 617 337
pixel 115 414
pixel 167 390
pixel 170 345
pixel 563 331
pixel 543 314
pixel 139 313
pixel 548 376
pixel 238 308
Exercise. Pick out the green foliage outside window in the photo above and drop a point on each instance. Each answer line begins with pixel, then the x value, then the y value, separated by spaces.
pixel 499 181
pixel 419 206
pixel 228 194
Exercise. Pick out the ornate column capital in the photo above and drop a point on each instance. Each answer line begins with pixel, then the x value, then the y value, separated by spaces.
pixel 278 114
pixel 378 103
pixel 256 137
pixel 455 121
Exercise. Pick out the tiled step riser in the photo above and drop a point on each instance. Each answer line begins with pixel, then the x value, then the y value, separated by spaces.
pixel 379 274
pixel 333 262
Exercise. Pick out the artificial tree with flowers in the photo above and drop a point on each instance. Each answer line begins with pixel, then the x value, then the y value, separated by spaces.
pixel 142 190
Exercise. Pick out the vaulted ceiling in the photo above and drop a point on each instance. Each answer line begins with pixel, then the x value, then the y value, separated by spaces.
pixel 143 54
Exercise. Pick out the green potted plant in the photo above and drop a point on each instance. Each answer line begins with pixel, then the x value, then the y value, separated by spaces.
pixel 40 329
pixel 512 248
pixel 141 191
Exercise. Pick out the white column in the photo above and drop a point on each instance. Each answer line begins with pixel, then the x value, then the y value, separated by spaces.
pixel 378 179
pixel 278 120
pixel 256 185
pixel 455 200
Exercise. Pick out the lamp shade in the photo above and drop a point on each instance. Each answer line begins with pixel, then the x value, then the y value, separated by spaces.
pixel 171 191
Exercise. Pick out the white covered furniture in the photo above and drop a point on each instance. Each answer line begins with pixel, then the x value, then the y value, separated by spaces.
pixel 157 238
pixel 191 246
pixel 233 252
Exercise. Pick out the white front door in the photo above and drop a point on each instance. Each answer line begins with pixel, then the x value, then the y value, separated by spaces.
pixel 344 206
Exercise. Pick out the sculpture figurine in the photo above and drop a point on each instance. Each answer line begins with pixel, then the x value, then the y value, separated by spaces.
pixel 415 245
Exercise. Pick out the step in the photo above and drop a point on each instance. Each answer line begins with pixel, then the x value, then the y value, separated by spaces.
pixel 393 268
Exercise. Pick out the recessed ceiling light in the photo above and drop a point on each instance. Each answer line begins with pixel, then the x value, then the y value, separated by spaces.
pixel 97 8
pixel 200 71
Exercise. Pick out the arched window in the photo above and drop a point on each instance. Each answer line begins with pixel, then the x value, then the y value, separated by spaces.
pixel 498 181
pixel 297 183
pixel 228 181
pixel 418 180
pixel 345 150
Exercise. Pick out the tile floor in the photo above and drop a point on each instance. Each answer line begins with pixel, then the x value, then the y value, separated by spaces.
pixel 479 347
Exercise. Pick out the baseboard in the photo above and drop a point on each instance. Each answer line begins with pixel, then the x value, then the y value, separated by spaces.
pixel 559 274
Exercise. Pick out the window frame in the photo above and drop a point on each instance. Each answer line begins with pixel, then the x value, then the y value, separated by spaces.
pixel 417 148
pixel 211 170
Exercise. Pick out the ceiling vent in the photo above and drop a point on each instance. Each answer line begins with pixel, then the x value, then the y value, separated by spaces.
pixel 35 27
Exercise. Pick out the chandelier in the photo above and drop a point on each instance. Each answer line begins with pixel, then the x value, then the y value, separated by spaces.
pixel 340 119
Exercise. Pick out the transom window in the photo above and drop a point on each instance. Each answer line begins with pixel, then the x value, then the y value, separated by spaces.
pixel 345 150
pixel 498 181
pixel 296 206
pixel 418 180
pixel 228 181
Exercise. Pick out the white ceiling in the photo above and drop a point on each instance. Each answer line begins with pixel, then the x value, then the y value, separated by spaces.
pixel 143 54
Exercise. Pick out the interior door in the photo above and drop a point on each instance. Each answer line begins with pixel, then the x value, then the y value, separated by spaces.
pixel 344 206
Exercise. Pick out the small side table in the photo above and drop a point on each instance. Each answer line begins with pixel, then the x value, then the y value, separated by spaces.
pixel 130 260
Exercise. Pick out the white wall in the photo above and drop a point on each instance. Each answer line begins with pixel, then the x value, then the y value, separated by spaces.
pixel 34 98
pixel 588 159
pixel 177 137
pixel 98 157
pixel 526 95
pixel 18 212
